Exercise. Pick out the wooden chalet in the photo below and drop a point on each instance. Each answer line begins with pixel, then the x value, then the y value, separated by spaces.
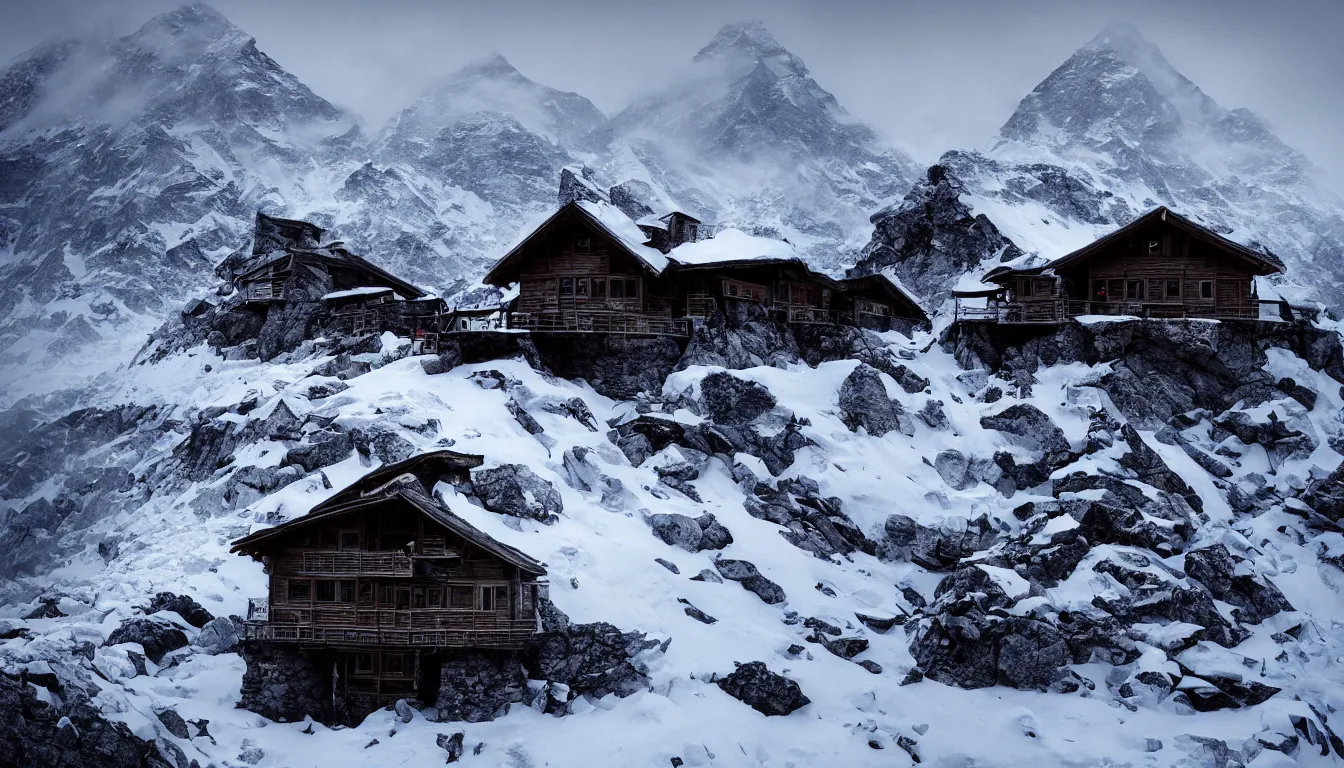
pixel 591 269
pixel 289 265
pixel 1161 265
pixel 382 579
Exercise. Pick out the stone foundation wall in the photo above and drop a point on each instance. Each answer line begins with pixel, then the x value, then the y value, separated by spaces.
pixel 476 686
pixel 285 684
pixel 616 366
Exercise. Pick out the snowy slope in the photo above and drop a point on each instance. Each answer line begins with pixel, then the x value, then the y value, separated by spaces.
pixel 170 532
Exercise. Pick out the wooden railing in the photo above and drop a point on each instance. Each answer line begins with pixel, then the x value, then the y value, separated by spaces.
pixel 1159 310
pixel 354 625
pixel 350 563
pixel 265 290
pixel 594 321
pixel 798 313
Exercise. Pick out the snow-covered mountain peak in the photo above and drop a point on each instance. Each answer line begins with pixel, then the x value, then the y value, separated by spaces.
pixel 186 32
pixel 748 40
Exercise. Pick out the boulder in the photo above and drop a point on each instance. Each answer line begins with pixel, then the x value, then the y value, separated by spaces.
pixel 477 686
pixel 592 659
pixel 677 531
pixel 323 449
pixel 952 465
pixel 452 745
pixel 864 403
pixel 746 574
pixel 713 534
pixel 727 399
pixel 1255 600
pixel 156 637
pixel 513 489
pixel 1030 427
pixel 935 548
pixel 220 635
pixel 739 336
pixel 756 686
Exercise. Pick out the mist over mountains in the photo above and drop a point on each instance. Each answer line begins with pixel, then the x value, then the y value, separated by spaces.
pixel 130 168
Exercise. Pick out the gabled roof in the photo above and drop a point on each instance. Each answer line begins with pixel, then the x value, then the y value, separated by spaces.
pixel 605 218
pixel 402 482
pixel 886 284
pixel 662 220
pixel 341 256
pixel 1261 263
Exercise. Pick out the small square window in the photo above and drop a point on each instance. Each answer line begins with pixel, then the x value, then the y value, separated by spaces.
pixel 1154 246
pixel 1136 290
pixel 583 245
pixel 326 591
pixel 1173 289
pixel 349 540
pixel 364 663
pixel 566 286
pixel 581 287
pixel 365 593
pixel 461 597
pixel 617 288
pixel 599 288
pixel 300 591
pixel 1206 289
pixel 347 591
pixel 393 664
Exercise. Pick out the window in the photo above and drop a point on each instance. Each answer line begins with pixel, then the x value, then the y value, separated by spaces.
pixel 349 539
pixel 1173 289
pixel 583 245
pixel 566 286
pixel 461 597
pixel 365 593
pixel 403 598
pixel 393 664
pixel 300 591
pixel 1206 289
pixel 624 288
pixel 487 598
pixel 435 597
pixel 326 591
pixel 385 595
pixel 599 287
pixel 581 287
pixel 1024 287
pixel 1154 246
pixel 1135 290
pixel 418 598
pixel 364 663
pixel 330 538
pixel 347 591
pixel 1098 290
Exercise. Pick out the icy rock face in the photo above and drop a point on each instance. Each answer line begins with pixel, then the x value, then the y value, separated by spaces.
pixel 931 238
pixel 748 102
pixel 513 489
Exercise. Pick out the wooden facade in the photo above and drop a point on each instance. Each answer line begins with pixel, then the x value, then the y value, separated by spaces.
pixel 382 576
pixel 576 275
pixel 1162 265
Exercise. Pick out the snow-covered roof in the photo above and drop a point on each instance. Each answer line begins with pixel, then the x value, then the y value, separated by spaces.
pixel 624 230
pixel 604 216
pixel 653 220
pixel 732 245
pixel 896 282
pixel 365 290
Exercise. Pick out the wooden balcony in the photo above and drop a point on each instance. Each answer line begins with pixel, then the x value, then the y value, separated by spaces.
pixel 332 562
pixel 348 625
pixel 597 321
pixel 1056 311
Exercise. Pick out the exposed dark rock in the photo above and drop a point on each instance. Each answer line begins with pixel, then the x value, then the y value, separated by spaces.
pixel 727 399
pixel 452 745
pixel 671 566
pixel 156 637
pixel 1192 606
pixel 814 523
pixel 174 723
pixel 930 238
pixel 47 608
pixel 1298 392
pixel 1033 429
pixel 476 686
pixel 974 650
pixel 677 531
pixel 1326 496
pixel 864 403
pixel 219 635
pixel 696 613
pixel 323 449
pixel 764 691
pixel 285 684
pixel 513 489
pixel 932 414
pixel 713 534
pixel 751 579
pixel 844 647
pixel 742 335
pixel 190 610
pixel 936 549
pixel 617 366
pixel 707 575
pixel 593 659
pixel 1255 600
pixel 33 734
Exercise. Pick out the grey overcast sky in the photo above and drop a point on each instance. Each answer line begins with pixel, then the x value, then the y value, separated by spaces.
pixel 931 75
